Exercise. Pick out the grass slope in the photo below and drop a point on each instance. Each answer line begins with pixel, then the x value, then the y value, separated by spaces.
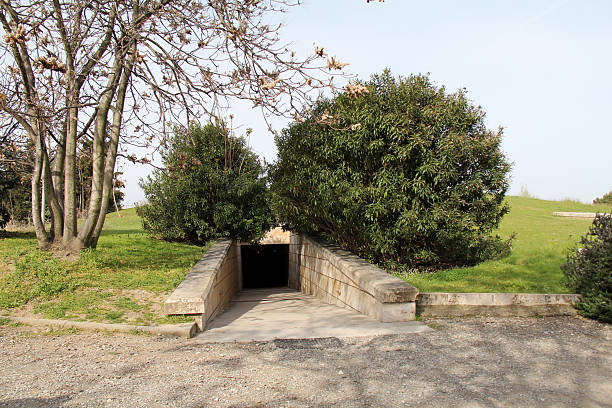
pixel 539 249
pixel 129 275
pixel 124 280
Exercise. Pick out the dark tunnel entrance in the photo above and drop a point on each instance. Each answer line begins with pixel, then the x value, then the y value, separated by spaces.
pixel 265 266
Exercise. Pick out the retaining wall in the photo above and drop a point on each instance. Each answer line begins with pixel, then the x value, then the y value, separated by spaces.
pixel 495 304
pixel 342 278
pixel 210 285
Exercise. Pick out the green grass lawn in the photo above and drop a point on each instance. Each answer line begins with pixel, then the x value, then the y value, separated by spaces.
pixel 125 279
pixel 539 249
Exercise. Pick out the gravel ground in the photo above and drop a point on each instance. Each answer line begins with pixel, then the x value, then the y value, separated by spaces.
pixel 479 362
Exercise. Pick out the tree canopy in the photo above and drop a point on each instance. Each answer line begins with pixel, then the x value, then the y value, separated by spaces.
pixel 117 72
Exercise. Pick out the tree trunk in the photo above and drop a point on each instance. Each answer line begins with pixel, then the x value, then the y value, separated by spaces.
pixel 57 214
pixel 96 196
pixel 43 203
pixel 70 216
pixel 39 227
pixel 58 170
pixel 115 202
pixel 111 153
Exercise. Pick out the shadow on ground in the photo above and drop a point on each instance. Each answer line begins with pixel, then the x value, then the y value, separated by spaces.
pixel 51 402
pixel 17 234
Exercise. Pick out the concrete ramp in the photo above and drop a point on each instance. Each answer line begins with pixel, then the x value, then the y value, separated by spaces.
pixel 283 313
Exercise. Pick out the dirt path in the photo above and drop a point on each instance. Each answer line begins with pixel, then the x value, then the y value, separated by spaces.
pixel 560 362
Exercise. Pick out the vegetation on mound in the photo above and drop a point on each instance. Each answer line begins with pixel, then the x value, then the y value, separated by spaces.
pixel 127 277
pixel 605 199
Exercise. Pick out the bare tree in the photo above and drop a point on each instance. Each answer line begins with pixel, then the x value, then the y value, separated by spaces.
pixel 128 71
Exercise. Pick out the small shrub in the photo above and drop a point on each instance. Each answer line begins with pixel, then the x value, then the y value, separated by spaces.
pixel 15 206
pixel 6 183
pixel 213 186
pixel 605 199
pixel 588 270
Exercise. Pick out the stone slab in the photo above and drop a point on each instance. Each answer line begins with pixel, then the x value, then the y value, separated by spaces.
pixel 268 314
pixel 496 299
pixel 574 214
pixel 189 296
pixel 395 312
pixel 495 304
pixel 185 330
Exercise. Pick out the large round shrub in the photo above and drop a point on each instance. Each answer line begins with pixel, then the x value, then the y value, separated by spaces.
pixel 213 186
pixel 588 270
pixel 397 171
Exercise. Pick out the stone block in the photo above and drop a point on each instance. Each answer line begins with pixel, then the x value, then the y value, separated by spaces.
pixel 209 286
pixel 495 304
pixel 395 312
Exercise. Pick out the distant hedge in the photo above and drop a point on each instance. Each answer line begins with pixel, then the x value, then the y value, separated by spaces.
pixel 605 199
pixel 396 170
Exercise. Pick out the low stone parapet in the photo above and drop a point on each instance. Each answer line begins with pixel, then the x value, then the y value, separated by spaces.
pixel 342 278
pixel 495 304
pixel 575 214
pixel 209 286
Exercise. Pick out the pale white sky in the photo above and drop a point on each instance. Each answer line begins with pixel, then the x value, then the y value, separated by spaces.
pixel 540 68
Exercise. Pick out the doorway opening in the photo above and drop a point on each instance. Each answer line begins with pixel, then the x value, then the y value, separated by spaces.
pixel 265 266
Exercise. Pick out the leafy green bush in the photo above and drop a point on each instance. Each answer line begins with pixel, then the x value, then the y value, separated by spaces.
pixel 589 270
pixel 213 186
pixel 397 171
pixel 7 182
pixel 605 199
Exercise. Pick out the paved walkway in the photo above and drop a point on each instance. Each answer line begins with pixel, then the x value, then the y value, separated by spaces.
pixel 282 313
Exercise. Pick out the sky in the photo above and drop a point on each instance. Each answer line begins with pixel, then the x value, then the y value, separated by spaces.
pixel 542 70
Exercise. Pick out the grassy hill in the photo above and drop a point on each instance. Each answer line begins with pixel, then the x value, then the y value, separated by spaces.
pixel 538 250
pixel 126 279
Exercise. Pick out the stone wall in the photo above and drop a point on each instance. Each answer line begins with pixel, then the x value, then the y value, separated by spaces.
pixel 210 285
pixel 341 278
pixel 495 304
